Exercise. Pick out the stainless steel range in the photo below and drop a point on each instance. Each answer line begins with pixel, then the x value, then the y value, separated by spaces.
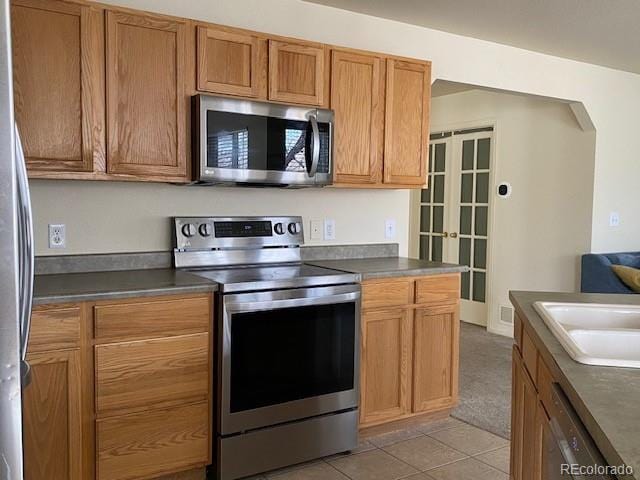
pixel 287 337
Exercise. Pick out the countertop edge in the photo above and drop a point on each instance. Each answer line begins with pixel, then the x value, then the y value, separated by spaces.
pixel 120 294
pixel 523 309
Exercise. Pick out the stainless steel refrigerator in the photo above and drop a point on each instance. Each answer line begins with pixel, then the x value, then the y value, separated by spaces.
pixel 16 268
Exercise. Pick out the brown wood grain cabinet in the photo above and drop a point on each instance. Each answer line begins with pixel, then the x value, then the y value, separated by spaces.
pixel 231 62
pixel 146 96
pixel 436 334
pixel 58 70
pixel 409 352
pixel 115 395
pixel 52 413
pixel 357 98
pixel 529 418
pixel 406 126
pixel 385 381
pixel 298 72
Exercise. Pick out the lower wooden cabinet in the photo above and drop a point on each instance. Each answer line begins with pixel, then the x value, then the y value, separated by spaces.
pixel 386 365
pixel 528 423
pixel 409 355
pixel 146 445
pixel 436 335
pixel 106 405
pixel 52 419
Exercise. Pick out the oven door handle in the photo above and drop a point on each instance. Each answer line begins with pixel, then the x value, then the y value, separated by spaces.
pixel 235 306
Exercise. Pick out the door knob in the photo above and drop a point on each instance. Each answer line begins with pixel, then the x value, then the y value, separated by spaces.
pixel 454 235
pixel 445 234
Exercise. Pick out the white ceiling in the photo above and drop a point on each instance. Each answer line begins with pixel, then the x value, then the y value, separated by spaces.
pixel 603 32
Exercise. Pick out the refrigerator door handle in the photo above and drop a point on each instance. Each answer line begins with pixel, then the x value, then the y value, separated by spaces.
pixel 26 254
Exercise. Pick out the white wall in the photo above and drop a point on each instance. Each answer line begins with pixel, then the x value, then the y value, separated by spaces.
pixel 611 97
pixel 539 232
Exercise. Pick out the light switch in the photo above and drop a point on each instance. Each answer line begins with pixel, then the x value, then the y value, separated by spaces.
pixel 390 228
pixel 316 229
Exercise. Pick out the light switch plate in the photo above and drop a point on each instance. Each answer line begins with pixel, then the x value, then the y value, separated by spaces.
pixel 614 219
pixel 390 228
pixel 57 236
pixel 316 229
pixel 329 229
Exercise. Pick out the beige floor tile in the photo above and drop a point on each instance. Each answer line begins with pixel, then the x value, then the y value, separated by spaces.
pixel 317 471
pixel 389 438
pixel 497 458
pixel 469 469
pixel 373 465
pixel 292 468
pixel 418 476
pixel 470 440
pixel 437 425
pixel 363 446
pixel 424 453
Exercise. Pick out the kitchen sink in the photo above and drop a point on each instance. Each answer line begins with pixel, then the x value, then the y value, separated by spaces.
pixel 595 334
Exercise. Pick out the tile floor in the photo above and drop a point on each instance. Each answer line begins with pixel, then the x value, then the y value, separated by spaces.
pixel 437 450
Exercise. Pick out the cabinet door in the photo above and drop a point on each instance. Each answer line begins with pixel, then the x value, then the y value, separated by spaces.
pixel 297 73
pixel 52 419
pixel 525 428
pixel 357 98
pixel 232 63
pixel 435 357
pixel 386 366
pixel 406 128
pixel 146 96
pixel 58 79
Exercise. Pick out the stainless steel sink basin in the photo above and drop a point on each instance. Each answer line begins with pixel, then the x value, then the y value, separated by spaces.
pixel 595 334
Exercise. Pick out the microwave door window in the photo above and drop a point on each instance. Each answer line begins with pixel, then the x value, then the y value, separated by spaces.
pixel 236 141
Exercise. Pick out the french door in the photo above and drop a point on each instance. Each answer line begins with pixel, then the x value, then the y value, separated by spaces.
pixel 454 212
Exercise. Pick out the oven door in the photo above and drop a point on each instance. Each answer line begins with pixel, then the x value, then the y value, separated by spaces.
pixel 287 355
pixel 242 141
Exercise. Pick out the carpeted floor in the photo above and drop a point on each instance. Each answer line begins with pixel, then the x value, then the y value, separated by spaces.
pixel 485 380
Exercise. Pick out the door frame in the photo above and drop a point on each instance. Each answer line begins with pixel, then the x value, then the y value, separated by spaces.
pixel 494 324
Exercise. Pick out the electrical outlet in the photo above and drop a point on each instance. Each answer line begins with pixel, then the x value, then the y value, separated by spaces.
pixel 614 219
pixel 390 228
pixel 316 229
pixel 329 229
pixel 57 236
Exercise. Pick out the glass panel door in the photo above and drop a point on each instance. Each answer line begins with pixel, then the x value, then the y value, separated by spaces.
pixel 432 203
pixel 469 220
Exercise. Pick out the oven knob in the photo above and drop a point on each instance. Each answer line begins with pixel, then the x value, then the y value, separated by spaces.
pixel 279 228
pixel 295 228
pixel 205 229
pixel 189 230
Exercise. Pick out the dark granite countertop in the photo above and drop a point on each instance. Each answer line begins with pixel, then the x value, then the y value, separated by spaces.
pixel 79 287
pixel 390 267
pixel 607 399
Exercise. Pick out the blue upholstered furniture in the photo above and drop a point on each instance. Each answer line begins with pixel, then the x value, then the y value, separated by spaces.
pixel 597 276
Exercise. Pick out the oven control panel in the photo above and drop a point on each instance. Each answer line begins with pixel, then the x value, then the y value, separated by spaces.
pixel 210 233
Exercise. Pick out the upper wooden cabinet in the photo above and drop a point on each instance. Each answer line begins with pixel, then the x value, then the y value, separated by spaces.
pixel 406 135
pixel 357 98
pixel 231 62
pixel 58 69
pixel 298 72
pixel 146 96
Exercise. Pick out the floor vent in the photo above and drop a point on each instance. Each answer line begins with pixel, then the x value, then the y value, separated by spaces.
pixel 506 314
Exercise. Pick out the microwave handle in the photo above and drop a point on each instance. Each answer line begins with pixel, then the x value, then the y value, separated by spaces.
pixel 315 155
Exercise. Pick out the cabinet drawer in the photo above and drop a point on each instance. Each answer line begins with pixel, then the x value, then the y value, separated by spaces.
pixel 544 383
pixel 151 444
pixel 136 375
pixel 159 317
pixel 392 293
pixel 55 328
pixel 438 288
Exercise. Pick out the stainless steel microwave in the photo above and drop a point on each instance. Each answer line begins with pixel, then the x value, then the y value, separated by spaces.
pixel 249 142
